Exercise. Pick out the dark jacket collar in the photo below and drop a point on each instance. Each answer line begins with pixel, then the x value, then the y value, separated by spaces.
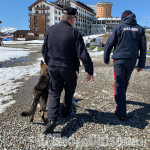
pixel 65 22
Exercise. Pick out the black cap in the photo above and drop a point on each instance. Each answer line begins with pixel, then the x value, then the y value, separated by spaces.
pixel 69 10
pixel 126 13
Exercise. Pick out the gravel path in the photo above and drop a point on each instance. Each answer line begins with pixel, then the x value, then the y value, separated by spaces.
pixel 92 125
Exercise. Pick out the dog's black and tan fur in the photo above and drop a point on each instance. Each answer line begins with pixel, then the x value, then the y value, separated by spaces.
pixel 40 94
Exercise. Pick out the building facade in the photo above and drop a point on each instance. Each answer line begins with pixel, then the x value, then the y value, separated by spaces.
pixel 23 35
pixel 44 14
pixel 104 10
pixel 104 25
pixel 85 15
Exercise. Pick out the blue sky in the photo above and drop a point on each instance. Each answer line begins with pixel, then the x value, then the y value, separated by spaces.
pixel 14 13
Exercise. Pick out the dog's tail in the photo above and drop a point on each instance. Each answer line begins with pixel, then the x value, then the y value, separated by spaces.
pixel 33 107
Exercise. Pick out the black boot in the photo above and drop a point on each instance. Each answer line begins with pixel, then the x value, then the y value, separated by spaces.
pixel 65 112
pixel 50 127
pixel 121 118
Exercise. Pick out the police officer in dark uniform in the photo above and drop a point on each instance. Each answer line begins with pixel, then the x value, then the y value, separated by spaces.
pixel 63 47
pixel 128 39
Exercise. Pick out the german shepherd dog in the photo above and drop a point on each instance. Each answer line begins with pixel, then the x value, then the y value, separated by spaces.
pixel 40 94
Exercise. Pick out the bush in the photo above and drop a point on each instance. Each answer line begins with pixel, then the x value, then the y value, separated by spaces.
pixel 91 48
pixel 100 49
pixel 148 53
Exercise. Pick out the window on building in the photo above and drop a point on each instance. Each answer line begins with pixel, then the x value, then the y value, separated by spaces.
pixel 103 22
pixel 37 12
pixel 43 5
pixel 35 29
pixel 55 11
pixel 55 18
pixel 35 17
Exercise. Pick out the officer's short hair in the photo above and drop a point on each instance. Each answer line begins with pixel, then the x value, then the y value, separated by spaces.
pixel 67 17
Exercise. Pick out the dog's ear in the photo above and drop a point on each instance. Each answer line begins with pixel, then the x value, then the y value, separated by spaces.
pixel 42 63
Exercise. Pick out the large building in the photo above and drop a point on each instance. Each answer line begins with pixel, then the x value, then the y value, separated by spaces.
pixel 44 14
pixel 104 10
pixel 104 25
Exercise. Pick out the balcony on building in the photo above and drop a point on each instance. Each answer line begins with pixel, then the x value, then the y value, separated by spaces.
pixel 38 14
pixel 42 8
pixel 108 27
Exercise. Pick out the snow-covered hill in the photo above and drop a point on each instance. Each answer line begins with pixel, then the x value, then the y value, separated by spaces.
pixel 7 30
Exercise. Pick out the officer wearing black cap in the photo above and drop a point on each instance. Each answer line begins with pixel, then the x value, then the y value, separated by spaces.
pixel 129 42
pixel 63 47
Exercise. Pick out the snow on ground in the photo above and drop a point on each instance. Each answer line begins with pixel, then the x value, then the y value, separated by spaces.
pixel 12 53
pixel 9 83
pixel 23 42
pixel 92 36
pixel 85 38
pixel 9 77
pixel 96 53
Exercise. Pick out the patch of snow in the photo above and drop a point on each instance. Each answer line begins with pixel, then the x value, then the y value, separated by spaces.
pixel 12 53
pixel 23 42
pixel 96 53
pixel 9 77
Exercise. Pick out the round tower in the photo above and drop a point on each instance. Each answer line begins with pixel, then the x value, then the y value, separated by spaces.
pixel 104 9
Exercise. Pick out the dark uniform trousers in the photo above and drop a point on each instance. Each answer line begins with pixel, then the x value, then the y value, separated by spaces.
pixel 60 78
pixel 122 73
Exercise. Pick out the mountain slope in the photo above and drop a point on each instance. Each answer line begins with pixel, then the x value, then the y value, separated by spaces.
pixel 7 30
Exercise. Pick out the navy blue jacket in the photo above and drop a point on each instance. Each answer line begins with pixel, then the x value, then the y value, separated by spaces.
pixel 129 41
pixel 64 46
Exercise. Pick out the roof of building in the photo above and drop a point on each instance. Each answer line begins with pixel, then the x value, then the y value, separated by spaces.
pixel 50 3
pixel 104 3
pixel 113 18
pixel 21 32
pixel 94 7
pixel 82 4
pixel 79 4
